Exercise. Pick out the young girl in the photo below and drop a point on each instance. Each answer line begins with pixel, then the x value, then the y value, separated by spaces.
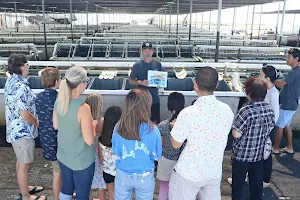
pixel 268 75
pixel 170 155
pixel 137 143
pixel 108 159
pixel 95 102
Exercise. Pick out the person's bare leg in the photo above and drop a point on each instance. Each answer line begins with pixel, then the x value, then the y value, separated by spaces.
pixel 57 184
pixel 278 137
pixel 289 137
pixel 91 195
pixel 110 188
pixel 102 194
pixel 22 177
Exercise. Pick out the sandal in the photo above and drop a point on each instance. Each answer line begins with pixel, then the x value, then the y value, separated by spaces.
pixel 285 150
pixel 36 198
pixel 35 190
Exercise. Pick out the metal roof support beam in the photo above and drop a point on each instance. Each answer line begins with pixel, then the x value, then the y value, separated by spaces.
pixel 247 19
pixel 293 24
pixel 209 20
pixel 44 25
pixel 202 21
pixel 65 21
pixel 71 18
pixel 5 21
pixel 233 21
pixel 87 17
pixel 170 21
pixel 97 18
pixel 282 23
pixel 218 31
pixel 276 31
pixel 191 13
pixel 253 15
pixel 177 24
pixel 259 21
pixel 196 19
pixel 17 24
pixel 165 20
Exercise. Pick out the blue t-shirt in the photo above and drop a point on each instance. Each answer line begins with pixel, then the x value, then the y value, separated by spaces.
pixel 137 157
pixel 48 135
pixel 140 72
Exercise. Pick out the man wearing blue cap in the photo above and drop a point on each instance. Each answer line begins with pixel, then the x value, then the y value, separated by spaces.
pixel 139 76
pixel 288 100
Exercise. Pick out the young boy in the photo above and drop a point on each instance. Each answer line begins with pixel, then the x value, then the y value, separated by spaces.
pixel 45 100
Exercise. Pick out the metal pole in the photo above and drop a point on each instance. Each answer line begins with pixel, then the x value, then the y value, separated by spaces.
pixel 5 18
pixel 276 31
pixel 218 31
pixel 209 20
pixel 233 21
pixel 191 12
pixel 259 21
pixel 253 14
pixel 170 18
pixel 196 20
pixel 65 21
pixel 282 23
pixel 17 24
pixel 293 23
pixel 247 19
pixel 53 17
pixel 45 34
pixel 165 19
pixel 177 19
pixel 298 41
pixel 202 21
pixel 87 17
pixel 97 16
pixel 71 18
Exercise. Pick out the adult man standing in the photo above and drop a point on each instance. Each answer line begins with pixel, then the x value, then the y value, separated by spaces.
pixel 139 75
pixel 205 125
pixel 288 100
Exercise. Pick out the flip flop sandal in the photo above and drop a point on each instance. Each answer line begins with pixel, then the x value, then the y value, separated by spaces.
pixel 37 197
pixel 35 190
pixel 285 151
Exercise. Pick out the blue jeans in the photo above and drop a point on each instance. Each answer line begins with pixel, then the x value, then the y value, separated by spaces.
pixel 78 180
pixel 143 185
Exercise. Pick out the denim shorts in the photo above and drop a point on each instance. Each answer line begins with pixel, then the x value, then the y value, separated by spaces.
pixel 142 184
pixel 285 118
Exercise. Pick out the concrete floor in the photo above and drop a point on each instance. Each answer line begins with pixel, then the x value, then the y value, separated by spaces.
pixel 285 180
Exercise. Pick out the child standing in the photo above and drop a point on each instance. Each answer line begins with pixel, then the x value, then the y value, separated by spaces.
pixel 95 102
pixel 45 100
pixel 108 159
pixel 170 155
pixel 137 143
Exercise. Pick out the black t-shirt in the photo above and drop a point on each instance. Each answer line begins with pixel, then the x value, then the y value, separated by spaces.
pixel 289 94
pixel 140 72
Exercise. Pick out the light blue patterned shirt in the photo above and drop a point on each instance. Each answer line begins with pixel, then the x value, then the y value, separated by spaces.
pixel 18 97
pixel 137 157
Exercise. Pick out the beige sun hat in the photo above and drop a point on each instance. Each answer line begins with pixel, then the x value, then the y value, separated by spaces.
pixel 181 75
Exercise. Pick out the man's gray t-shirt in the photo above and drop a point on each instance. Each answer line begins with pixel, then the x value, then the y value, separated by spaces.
pixel 140 72
pixel 289 94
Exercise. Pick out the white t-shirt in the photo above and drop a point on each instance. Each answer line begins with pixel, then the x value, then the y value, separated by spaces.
pixel 272 98
pixel 206 126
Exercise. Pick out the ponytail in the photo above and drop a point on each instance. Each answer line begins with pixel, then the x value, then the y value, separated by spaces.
pixel 64 96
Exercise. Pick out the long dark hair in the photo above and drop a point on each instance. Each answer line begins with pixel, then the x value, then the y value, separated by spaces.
pixel 137 111
pixel 176 103
pixel 111 117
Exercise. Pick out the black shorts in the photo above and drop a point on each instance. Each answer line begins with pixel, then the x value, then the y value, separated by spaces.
pixel 108 178
pixel 155 113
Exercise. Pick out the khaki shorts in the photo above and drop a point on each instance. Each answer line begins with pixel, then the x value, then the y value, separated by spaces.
pixel 55 166
pixel 165 168
pixel 24 150
pixel 184 189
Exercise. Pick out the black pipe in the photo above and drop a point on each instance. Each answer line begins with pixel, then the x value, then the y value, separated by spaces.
pixel 45 34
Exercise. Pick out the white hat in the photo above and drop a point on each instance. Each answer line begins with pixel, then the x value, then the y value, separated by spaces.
pixel 181 75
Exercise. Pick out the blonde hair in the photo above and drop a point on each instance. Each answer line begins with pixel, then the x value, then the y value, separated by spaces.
pixel 73 77
pixel 95 102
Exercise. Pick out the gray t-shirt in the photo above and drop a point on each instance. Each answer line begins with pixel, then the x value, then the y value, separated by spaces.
pixel 140 72
pixel 289 94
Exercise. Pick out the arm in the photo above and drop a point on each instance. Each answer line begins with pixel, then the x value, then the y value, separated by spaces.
pixel 275 105
pixel 86 120
pixel 236 134
pixel 180 131
pixel 29 118
pixel 158 146
pixel 134 75
pixel 99 127
pixel 100 153
pixel 280 83
pixel 54 119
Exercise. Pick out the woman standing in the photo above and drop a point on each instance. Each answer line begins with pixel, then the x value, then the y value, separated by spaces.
pixel 251 128
pixel 21 121
pixel 268 75
pixel 137 143
pixel 76 130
